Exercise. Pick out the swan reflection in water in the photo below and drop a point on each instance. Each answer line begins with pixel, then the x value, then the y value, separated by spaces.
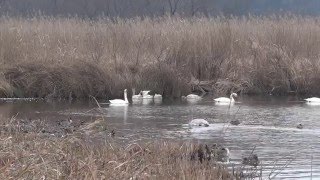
pixel 119 111
pixel 147 101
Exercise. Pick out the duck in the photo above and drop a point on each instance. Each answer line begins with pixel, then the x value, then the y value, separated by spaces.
pixel 136 96
pixel 225 99
pixel 65 123
pixel 252 160
pixel 313 100
pixel 216 153
pixel 199 122
pixel 235 122
pixel 146 95
pixel 120 101
pixel 220 153
pixel 223 154
pixel 299 126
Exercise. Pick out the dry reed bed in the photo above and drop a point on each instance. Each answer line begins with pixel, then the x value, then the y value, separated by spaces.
pixel 32 155
pixel 78 58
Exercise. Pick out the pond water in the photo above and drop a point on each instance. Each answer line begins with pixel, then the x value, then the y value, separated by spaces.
pixel 268 126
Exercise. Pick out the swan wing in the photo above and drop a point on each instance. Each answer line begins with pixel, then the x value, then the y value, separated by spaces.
pixel 223 99
pixel 313 99
pixel 147 97
pixel 198 122
pixel 118 101
pixel 157 96
pixel 136 97
pixel 193 96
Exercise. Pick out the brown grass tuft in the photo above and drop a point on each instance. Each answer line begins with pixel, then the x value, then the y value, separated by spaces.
pixel 33 154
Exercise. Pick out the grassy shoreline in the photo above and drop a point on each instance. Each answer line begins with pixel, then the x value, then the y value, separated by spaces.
pixel 62 58
pixel 33 153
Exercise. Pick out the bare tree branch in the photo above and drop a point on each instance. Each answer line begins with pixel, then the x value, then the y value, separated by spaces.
pixel 173 4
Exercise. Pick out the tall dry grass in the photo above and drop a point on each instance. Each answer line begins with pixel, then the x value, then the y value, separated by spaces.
pixel 74 57
pixel 33 155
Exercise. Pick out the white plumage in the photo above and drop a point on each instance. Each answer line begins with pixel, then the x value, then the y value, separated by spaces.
pixel 136 96
pixel 225 99
pixel 157 96
pixel 146 95
pixel 193 96
pixel 313 100
pixel 199 122
pixel 120 101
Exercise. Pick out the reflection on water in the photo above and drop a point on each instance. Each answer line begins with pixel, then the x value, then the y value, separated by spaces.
pixel 268 125
pixel 119 111
pixel 313 103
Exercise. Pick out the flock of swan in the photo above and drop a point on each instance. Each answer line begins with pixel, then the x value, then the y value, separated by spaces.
pixel 192 97
pixel 219 152
pixel 135 97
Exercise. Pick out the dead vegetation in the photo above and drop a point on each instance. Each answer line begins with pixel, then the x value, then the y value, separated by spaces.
pixel 62 58
pixel 78 155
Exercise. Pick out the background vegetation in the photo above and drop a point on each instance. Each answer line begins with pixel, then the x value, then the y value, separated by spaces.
pixel 155 8
pixel 71 57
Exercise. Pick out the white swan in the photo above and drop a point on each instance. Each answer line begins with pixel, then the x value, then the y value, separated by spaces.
pixel 120 101
pixel 146 95
pixel 199 122
pixel 225 99
pixel 313 100
pixel 193 96
pixel 157 96
pixel 134 96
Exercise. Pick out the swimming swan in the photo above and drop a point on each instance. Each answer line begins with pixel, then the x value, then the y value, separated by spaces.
pixel 193 96
pixel 313 100
pixel 146 95
pixel 225 99
pixel 134 96
pixel 199 122
pixel 157 96
pixel 120 101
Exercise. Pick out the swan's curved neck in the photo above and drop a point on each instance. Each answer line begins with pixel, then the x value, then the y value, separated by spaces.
pixel 231 98
pixel 125 97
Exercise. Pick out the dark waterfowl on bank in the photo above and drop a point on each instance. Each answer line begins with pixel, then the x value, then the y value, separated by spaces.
pixel 252 160
pixel 216 153
pixel 235 122
pixel 65 122
pixel 220 153
pixel 113 133
pixel 300 126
